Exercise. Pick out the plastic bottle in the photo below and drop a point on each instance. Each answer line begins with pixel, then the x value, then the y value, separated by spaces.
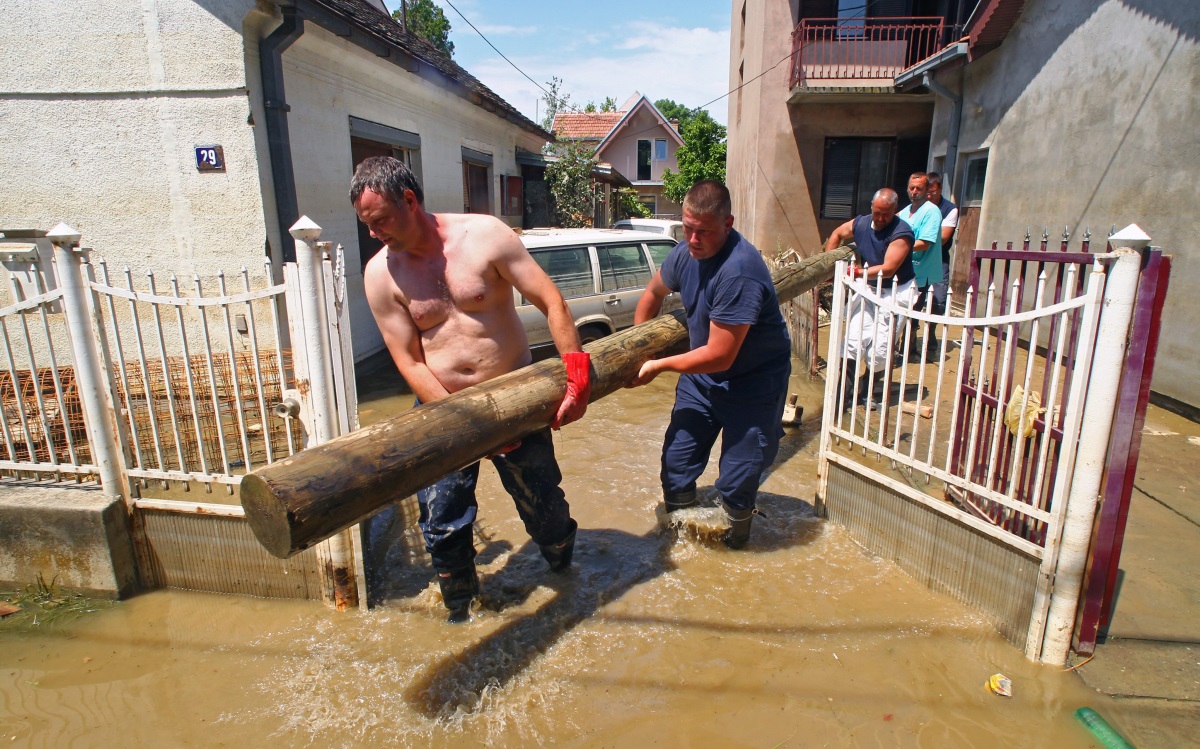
pixel 1101 729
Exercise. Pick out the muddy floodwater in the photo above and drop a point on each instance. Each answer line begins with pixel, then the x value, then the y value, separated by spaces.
pixel 654 638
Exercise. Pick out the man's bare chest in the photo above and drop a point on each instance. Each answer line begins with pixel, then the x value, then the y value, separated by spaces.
pixel 433 293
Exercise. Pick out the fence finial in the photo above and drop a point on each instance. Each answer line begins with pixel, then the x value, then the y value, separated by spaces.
pixel 305 230
pixel 1066 233
pixel 1027 235
pixel 1087 234
pixel 1045 234
pixel 64 236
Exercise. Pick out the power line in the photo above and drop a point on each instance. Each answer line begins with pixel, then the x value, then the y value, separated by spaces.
pixel 562 102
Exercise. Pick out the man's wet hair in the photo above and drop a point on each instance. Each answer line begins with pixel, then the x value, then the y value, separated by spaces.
pixel 934 178
pixel 887 195
pixel 387 176
pixel 709 197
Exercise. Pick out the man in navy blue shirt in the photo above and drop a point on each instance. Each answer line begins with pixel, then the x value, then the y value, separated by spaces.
pixel 884 249
pixel 734 377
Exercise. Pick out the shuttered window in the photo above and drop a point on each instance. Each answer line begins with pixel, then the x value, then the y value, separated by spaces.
pixel 854 169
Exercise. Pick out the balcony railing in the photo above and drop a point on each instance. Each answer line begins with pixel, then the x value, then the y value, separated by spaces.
pixel 860 52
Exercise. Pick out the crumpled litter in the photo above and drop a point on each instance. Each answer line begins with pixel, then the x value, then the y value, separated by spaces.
pixel 1000 684
pixel 1022 423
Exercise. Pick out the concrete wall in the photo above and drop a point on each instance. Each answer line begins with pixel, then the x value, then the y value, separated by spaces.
pixel 1088 111
pixel 777 149
pixel 100 119
pixel 79 539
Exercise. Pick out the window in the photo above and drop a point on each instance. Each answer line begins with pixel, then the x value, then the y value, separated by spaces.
pixel 660 149
pixel 569 268
pixel 973 178
pixel 643 161
pixel 477 181
pixel 511 196
pixel 854 169
pixel 373 139
pixel 659 251
pixel 651 203
pixel 622 267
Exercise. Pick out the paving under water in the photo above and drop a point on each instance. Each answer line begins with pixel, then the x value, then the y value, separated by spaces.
pixel 656 637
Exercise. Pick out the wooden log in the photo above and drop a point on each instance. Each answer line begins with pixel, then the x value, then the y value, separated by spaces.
pixel 301 500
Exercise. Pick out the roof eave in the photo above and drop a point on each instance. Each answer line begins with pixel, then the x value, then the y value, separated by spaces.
pixel 350 30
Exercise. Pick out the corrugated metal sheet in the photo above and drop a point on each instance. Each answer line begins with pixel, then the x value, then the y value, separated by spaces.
pixel 221 555
pixel 947 556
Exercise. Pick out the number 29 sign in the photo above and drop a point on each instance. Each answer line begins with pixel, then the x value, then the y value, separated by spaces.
pixel 210 159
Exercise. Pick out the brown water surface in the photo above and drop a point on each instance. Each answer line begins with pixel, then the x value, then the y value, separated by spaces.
pixel 654 637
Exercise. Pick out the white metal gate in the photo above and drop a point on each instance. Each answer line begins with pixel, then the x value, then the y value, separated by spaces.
pixel 990 528
pixel 194 384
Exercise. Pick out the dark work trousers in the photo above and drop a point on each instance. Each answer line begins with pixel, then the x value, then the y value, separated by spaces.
pixel 749 421
pixel 937 306
pixel 530 474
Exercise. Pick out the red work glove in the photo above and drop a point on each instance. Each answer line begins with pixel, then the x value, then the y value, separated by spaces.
pixel 579 388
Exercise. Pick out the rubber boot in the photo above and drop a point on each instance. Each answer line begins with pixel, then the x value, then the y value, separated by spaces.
pixel 458 588
pixel 559 554
pixel 739 526
pixel 679 500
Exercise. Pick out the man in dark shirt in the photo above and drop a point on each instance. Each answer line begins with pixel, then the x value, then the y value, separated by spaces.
pixel 734 377
pixel 884 248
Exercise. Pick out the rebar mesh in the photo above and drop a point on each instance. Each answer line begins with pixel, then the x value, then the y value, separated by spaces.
pixel 42 423
pixel 176 422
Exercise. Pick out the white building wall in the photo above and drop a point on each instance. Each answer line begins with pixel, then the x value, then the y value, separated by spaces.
pixel 100 121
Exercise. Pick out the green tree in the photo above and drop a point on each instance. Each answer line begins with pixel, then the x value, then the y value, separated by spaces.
pixel 674 111
pixel 569 178
pixel 628 205
pixel 609 105
pixel 555 100
pixel 702 155
pixel 426 20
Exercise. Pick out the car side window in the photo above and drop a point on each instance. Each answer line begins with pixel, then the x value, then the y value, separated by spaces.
pixel 622 267
pixel 569 268
pixel 659 251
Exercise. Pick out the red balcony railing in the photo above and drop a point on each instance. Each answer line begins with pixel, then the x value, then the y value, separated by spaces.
pixel 850 52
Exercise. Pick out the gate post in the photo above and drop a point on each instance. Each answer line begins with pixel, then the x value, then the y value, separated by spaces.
pixel 97 408
pixel 1107 364
pixel 337 554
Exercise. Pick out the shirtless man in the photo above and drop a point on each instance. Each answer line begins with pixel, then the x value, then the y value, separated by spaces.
pixel 441 291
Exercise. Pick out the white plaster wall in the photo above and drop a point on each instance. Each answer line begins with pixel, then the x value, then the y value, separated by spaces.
pixel 98 126
pixel 329 80
pixel 1089 112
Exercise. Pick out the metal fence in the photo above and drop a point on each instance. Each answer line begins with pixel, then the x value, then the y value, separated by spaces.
pixel 132 381
pixel 982 446
pixel 862 51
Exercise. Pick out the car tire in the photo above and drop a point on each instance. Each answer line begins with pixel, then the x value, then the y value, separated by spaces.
pixel 589 333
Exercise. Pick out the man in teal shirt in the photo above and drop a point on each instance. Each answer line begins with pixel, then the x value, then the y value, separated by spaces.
pixel 926 221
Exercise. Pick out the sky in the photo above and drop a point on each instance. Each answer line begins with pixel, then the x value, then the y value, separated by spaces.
pixel 666 49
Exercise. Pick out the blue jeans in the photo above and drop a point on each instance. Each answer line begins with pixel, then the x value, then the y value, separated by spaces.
pixel 530 474
pixel 749 421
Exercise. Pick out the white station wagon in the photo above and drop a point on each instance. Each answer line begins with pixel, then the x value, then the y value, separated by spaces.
pixel 600 272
